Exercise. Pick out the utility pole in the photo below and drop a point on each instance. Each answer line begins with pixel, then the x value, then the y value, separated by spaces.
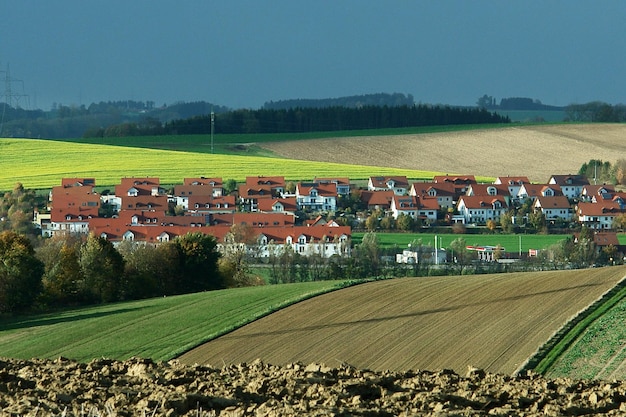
pixel 212 128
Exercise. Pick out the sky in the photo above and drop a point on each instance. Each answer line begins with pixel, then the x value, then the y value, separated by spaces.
pixel 243 53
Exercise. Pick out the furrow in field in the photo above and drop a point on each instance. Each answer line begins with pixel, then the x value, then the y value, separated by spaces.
pixel 493 322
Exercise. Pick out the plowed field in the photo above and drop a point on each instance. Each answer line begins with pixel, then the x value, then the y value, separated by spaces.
pixel 493 322
pixel 534 151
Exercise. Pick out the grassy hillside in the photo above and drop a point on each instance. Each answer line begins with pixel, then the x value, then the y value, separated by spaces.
pixel 42 163
pixel 159 328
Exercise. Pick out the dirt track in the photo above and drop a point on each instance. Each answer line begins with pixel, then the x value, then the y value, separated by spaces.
pixel 534 151
pixel 492 322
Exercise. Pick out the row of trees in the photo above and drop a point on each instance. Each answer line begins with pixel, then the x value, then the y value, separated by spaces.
pixel 603 172
pixel 294 120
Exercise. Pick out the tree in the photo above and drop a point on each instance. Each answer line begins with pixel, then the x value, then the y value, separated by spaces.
pixel 198 263
pixel 143 269
pixel 62 277
pixel 405 223
pixel 229 186
pixel 506 221
pixel 234 266
pixel 619 222
pixel 461 255
pixel 368 255
pixel 537 220
pixel 102 267
pixel 20 273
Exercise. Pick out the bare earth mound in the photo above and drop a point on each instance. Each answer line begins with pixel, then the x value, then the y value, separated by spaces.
pixel 140 387
pixel 492 322
pixel 534 151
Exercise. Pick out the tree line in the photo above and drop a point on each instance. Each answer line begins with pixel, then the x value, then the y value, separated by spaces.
pixel 298 120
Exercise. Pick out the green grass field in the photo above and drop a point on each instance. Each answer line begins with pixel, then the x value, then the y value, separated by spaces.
pixel 40 164
pixel 511 243
pixel 594 348
pixel 159 328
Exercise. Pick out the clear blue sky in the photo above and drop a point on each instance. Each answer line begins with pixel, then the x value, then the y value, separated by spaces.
pixel 243 53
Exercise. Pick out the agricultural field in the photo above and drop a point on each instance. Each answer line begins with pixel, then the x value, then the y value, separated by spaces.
pixel 599 352
pixel 536 151
pixel 511 243
pixel 158 328
pixel 418 323
pixel 40 164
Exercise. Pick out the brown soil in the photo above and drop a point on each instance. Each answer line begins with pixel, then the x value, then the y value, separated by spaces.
pixel 492 322
pixel 139 387
pixel 534 151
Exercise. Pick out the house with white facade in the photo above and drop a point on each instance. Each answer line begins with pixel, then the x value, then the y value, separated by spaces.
pixel 598 216
pixel 316 196
pixel 571 185
pixel 554 208
pixel 398 184
pixel 480 209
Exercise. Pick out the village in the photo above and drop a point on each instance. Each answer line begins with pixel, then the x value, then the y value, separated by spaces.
pixel 308 217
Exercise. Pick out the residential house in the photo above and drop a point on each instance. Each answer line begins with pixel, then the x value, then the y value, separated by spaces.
pixel 571 185
pixel 260 187
pixel 418 208
pixel 489 190
pixel 343 184
pixel 265 219
pixel 72 205
pixel 398 184
pixel 444 192
pixel 196 187
pixel 316 196
pixel 480 209
pixel 460 182
pixel 141 194
pixel 532 191
pixel 215 183
pixel 513 183
pixel 280 205
pixel 377 200
pixel 598 216
pixel 326 241
pixel 554 208
pixel 199 204
pixel 596 193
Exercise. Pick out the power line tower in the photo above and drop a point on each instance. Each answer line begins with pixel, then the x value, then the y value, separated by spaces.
pixel 11 97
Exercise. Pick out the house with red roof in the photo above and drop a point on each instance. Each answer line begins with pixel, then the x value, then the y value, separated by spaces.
pixel 554 208
pixel 532 191
pixel 343 184
pixel 460 182
pixel 444 192
pixel 260 187
pixel 418 208
pixel 398 184
pixel 313 196
pixel 326 241
pixel 72 205
pixel 598 216
pixel 377 200
pixel 480 209
pixel 596 193
pixel 280 205
pixel 141 194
